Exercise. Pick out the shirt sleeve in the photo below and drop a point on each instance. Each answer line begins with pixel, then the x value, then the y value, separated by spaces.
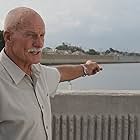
pixel 52 79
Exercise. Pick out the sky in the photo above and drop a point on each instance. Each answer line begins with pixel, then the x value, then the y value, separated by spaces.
pixel 89 24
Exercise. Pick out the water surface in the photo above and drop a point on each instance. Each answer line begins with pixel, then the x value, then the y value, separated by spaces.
pixel 114 76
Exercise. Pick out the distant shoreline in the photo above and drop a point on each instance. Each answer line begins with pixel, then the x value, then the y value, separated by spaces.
pixel 55 59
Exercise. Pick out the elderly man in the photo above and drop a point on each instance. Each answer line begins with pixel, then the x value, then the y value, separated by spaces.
pixel 25 84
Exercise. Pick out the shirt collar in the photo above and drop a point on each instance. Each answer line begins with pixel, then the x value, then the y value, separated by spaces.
pixel 36 69
pixel 14 71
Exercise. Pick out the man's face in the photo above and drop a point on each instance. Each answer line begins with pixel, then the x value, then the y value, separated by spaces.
pixel 30 37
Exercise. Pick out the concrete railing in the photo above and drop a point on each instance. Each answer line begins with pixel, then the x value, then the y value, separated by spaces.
pixel 96 115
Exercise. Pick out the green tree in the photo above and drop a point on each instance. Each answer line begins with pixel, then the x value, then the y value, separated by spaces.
pixel 1 40
pixel 62 47
pixel 69 47
pixel 92 52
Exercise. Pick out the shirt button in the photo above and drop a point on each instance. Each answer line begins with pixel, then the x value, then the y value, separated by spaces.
pixel 46 127
pixel 42 106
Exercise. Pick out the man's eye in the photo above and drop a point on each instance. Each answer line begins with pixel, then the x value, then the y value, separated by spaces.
pixel 31 35
pixel 42 35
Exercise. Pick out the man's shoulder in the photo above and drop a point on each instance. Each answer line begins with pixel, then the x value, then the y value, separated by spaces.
pixel 48 68
pixel 44 69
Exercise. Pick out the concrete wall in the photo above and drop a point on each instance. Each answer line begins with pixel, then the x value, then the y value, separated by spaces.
pixel 75 59
pixel 96 115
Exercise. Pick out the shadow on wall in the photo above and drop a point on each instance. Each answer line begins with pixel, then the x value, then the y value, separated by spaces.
pixel 1 40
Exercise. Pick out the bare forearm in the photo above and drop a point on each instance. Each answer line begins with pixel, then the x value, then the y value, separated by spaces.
pixel 70 72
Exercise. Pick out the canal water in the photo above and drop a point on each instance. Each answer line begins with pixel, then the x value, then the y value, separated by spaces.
pixel 125 76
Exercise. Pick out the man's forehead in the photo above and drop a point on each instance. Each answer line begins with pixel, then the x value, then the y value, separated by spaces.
pixel 33 27
pixel 21 18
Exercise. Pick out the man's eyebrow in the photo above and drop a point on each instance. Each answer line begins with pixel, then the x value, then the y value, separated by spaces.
pixel 32 32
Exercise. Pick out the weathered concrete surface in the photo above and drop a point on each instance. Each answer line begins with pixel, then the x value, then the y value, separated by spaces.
pixel 96 115
pixel 51 59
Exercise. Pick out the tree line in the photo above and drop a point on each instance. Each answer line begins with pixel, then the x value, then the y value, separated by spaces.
pixel 1 40
pixel 92 51
pixel 72 48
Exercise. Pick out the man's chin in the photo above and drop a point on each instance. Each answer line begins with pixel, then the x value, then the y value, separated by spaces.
pixel 36 62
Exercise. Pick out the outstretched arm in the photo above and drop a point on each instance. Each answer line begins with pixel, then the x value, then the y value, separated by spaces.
pixel 70 72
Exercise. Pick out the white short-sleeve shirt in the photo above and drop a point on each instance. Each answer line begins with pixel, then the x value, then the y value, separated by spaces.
pixel 25 110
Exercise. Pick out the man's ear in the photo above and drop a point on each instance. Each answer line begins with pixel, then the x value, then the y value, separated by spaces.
pixel 7 36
